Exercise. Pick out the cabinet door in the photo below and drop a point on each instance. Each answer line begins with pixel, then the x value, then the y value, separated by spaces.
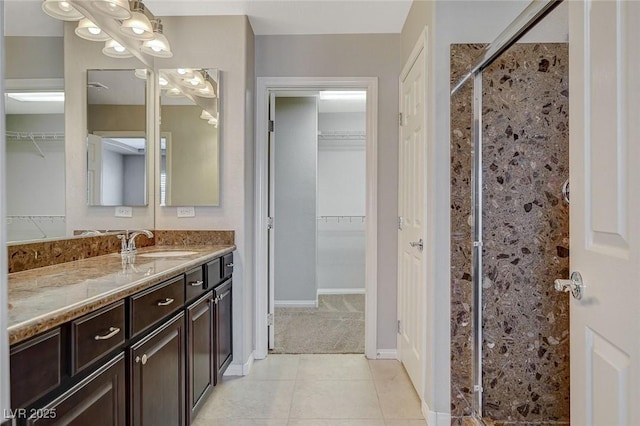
pixel 157 376
pixel 224 335
pixel 98 400
pixel 200 353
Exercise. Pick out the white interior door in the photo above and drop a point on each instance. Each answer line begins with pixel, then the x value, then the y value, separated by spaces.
pixel 605 200
pixel 272 207
pixel 411 263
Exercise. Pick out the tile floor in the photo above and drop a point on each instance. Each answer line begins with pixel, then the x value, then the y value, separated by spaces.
pixel 315 390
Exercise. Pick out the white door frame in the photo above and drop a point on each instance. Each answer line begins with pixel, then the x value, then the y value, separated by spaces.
pixel 266 85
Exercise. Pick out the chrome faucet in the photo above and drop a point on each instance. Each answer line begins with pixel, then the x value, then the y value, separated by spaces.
pixel 131 247
pixel 128 241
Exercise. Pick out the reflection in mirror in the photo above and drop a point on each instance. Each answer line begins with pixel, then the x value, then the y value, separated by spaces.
pixel 116 140
pixel 35 134
pixel 189 117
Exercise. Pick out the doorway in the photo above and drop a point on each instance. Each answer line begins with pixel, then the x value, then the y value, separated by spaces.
pixel 317 210
pixel 268 88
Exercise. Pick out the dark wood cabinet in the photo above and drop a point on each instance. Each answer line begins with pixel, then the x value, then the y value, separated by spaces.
pixel 157 365
pixel 200 354
pixel 150 359
pixel 36 368
pixel 98 400
pixel 223 316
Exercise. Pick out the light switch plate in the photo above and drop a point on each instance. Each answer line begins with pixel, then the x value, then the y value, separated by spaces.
pixel 124 211
pixel 186 211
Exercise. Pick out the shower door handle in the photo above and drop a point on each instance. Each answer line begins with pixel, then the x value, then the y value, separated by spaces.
pixel 573 285
pixel 419 244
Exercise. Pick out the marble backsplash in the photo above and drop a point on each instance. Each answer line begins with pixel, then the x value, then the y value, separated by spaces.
pixel 526 235
pixel 33 255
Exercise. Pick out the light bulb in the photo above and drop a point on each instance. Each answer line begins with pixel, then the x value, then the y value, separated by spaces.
pixel 163 81
pixel 137 30
pixel 181 71
pixel 65 6
pixel 194 81
pixel 94 30
pixel 118 48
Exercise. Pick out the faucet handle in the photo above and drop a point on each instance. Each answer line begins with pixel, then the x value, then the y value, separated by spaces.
pixel 123 243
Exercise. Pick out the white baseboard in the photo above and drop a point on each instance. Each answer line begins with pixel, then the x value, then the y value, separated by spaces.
pixel 435 418
pixel 341 291
pixel 386 354
pixel 240 369
pixel 295 303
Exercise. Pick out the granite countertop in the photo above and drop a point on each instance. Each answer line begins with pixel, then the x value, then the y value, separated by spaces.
pixel 42 298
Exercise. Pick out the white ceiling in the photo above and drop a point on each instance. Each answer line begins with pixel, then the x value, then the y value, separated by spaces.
pixel 267 17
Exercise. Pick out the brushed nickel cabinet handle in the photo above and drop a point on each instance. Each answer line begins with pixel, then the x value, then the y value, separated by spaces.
pixel 166 302
pixel 229 265
pixel 112 332
pixel 196 283
pixel 222 296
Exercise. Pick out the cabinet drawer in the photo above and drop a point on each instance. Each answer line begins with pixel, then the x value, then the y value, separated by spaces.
pixel 150 306
pixel 227 265
pixel 95 335
pixel 214 272
pixel 195 285
pixel 36 368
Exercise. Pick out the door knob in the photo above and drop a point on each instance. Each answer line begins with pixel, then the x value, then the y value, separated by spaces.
pixel 573 285
pixel 419 244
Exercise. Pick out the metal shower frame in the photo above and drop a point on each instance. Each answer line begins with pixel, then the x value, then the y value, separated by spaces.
pixel 527 19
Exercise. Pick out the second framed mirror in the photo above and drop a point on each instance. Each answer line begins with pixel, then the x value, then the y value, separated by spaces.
pixel 189 137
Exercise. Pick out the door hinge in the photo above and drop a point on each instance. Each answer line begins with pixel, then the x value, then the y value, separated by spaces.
pixel 400 222
pixel 399 327
pixel 271 125
pixel 269 222
pixel 269 320
pixel 400 119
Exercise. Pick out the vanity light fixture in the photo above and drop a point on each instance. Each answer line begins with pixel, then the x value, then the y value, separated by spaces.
pixel 116 9
pixel 174 92
pixel 114 49
pixel 163 81
pixel 138 26
pixel 159 45
pixel 141 73
pixel 89 31
pixel 206 115
pixel 213 121
pixel 61 9
pixel 207 90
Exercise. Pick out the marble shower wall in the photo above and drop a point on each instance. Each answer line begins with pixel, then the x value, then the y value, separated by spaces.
pixel 526 235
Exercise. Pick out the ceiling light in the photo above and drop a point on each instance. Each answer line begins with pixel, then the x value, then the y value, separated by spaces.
pixel 37 96
pixel 114 49
pixel 61 9
pixel 138 26
pixel 90 31
pixel 117 9
pixel 327 95
pixel 159 45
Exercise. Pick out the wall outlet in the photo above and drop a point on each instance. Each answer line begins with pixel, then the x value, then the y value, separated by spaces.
pixel 186 211
pixel 124 211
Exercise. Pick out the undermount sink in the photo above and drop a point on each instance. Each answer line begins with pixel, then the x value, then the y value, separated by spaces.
pixel 169 253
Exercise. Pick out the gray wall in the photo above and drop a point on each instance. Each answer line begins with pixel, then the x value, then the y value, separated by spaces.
pixel 376 55
pixel 296 167
pixel 44 58
pixel 135 171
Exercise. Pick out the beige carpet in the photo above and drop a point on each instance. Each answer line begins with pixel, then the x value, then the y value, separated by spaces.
pixel 336 326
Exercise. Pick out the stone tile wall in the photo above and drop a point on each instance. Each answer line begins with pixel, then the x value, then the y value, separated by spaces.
pixel 526 235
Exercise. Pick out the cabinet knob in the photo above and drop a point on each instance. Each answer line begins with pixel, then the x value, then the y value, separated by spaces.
pixel 142 360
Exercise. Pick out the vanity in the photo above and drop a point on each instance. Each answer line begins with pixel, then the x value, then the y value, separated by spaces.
pixel 114 340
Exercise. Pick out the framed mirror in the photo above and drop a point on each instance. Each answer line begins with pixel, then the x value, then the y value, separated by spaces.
pixel 189 137
pixel 116 138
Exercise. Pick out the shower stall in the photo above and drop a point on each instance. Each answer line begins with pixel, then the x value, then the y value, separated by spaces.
pixel 510 228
